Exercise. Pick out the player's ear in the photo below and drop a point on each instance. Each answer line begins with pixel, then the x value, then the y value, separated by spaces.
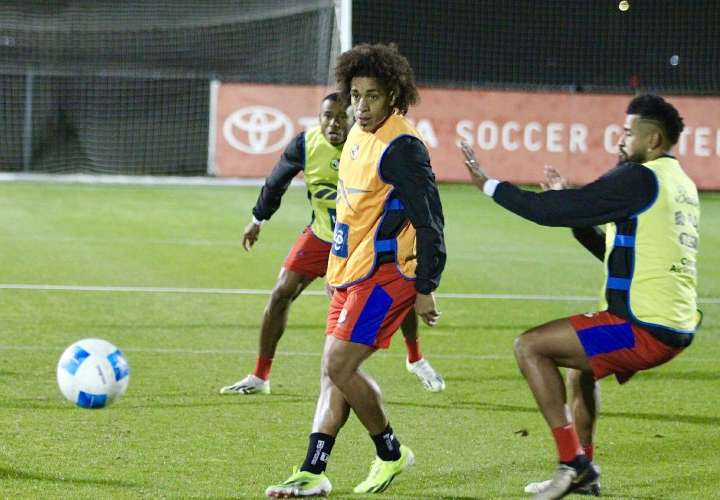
pixel 656 138
pixel 660 139
pixel 393 97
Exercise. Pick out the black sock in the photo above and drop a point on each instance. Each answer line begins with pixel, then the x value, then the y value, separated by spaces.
pixel 578 463
pixel 387 445
pixel 318 452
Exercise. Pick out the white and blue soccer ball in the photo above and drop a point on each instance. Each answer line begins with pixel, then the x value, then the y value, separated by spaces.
pixel 92 373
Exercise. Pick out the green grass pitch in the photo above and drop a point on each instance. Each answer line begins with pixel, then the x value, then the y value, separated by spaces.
pixel 173 436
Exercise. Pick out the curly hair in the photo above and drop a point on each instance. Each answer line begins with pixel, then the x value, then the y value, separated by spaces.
pixel 383 62
pixel 653 107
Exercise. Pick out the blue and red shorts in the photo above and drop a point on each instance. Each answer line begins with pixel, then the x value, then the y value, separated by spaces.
pixel 309 255
pixel 615 346
pixel 371 311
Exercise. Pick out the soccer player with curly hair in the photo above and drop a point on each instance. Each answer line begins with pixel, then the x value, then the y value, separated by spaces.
pixel 316 153
pixel 387 255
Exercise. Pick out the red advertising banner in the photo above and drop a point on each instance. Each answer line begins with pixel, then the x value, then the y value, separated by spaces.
pixel 514 133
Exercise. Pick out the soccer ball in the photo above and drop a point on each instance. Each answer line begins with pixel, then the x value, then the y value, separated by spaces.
pixel 92 373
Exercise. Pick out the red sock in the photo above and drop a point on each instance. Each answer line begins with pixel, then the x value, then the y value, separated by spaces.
pixel 567 442
pixel 589 451
pixel 413 349
pixel 262 367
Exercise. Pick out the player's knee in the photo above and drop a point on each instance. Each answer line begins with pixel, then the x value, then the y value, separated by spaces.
pixel 524 346
pixel 336 371
pixel 283 292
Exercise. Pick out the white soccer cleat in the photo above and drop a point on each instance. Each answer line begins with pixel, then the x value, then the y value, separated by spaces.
pixel 249 385
pixel 431 380
pixel 567 480
pixel 537 487
pixel 591 489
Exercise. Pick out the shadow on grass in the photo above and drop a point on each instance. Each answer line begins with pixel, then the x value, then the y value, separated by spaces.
pixel 467 405
pixel 221 401
pixel 290 398
pixel 9 473
pixel 663 417
pixel 160 403
pixel 480 405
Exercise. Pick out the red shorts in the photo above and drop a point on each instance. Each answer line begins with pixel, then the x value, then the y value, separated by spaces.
pixel 309 255
pixel 615 346
pixel 371 311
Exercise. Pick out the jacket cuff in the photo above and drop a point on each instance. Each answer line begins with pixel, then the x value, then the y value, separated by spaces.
pixel 424 286
pixel 490 186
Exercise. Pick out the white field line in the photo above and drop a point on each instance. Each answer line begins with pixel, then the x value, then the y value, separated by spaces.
pixel 316 354
pixel 133 241
pixel 260 291
pixel 136 180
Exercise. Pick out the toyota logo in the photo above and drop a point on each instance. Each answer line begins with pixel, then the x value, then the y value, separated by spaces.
pixel 257 130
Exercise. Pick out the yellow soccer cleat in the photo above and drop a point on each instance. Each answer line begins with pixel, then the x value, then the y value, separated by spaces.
pixel 301 484
pixel 383 472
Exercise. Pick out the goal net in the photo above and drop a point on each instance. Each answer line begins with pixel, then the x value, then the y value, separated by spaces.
pixel 123 86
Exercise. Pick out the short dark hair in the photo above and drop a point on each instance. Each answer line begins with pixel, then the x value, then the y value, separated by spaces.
pixel 334 97
pixel 654 107
pixel 383 62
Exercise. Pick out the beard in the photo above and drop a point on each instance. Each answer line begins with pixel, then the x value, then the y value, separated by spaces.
pixel 638 157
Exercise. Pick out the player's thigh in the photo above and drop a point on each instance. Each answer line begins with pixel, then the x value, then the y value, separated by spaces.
pixel 556 340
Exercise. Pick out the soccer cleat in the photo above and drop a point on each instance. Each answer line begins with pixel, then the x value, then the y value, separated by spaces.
pixel 591 489
pixel 431 380
pixel 383 472
pixel 301 484
pixel 568 480
pixel 249 385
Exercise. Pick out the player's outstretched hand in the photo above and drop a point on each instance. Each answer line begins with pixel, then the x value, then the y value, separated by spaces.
pixel 251 235
pixel 426 308
pixel 553 180
pixel 477 174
